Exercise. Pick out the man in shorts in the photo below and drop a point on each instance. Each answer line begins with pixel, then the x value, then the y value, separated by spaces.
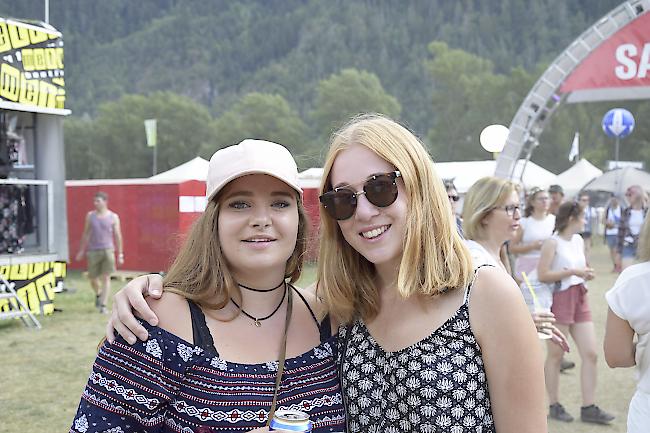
pixel 101 233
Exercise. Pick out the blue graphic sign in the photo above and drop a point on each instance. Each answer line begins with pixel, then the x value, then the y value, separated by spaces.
pixel 618 123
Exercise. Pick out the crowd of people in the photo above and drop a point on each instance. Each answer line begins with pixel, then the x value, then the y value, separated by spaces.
pixel 416 321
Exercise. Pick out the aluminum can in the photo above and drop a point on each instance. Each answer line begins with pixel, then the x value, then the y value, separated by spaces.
pixel 291 420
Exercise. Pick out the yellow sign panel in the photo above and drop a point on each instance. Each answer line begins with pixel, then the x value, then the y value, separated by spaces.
pixel 31 68
pixel 34 285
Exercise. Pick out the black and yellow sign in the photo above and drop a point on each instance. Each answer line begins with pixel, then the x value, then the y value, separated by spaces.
pixel 31 68
pixel 34 285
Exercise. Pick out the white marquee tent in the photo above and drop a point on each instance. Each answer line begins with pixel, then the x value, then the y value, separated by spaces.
pixel 576 177
pixel 194 169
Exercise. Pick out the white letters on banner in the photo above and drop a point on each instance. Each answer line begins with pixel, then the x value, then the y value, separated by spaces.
pixel 626 56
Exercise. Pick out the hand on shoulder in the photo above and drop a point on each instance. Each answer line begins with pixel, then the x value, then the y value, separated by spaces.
pixel 173 314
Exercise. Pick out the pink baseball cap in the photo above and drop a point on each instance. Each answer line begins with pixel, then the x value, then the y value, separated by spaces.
pixel 251 157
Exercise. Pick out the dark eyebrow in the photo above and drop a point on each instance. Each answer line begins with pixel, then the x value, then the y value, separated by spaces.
pixel 250 194
pixel 343 184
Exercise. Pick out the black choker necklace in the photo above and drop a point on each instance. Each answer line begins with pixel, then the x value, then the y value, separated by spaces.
pixel 261 290
pixel 258 321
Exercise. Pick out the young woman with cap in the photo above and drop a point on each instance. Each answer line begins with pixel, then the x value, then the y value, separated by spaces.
pixel 428 344
pixel 235 339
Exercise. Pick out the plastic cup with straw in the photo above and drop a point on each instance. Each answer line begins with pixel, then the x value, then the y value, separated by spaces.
pixel 537 305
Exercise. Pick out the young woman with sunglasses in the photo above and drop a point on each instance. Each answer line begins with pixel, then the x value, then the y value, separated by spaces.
pixel 419 349
pixel 491 215
pixel 235 340
pixel 563 259
pixel 427 344
pixel 453 196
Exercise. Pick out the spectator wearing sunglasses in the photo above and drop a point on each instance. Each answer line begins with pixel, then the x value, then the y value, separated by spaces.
pixel 401 279
pixel 491 215
pixel 629 228
pixel 563 259
pixel 453 196
pixel 534 228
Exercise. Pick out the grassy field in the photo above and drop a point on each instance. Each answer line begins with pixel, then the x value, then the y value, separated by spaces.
pixel 44 371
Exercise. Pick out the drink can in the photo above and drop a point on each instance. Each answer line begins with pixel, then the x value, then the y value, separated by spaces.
pixel 291 420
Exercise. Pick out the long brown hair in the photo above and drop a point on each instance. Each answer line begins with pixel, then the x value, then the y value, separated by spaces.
pixel 566 211
pixel 434 257
pixel 200 271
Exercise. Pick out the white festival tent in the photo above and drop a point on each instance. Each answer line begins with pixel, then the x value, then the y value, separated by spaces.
pixel 194 169
pixel 464 174
pixel 576 177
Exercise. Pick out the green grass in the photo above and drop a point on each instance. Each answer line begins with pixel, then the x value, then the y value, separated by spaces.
pixel 45 371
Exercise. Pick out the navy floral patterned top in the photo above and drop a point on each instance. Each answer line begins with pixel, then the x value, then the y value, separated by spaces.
pixel 169 385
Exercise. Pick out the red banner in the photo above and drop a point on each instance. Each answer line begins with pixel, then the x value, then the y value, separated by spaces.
pixel 618 69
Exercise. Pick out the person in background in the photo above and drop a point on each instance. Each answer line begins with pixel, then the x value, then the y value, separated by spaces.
pixel 590 216
pixel 563 259
pixel 235 339
pixel 629 316
pixel 491 215
pixel 536 226
pixel 556 193
pixel 453 196
pixel 612 221
pixel 101 234
pixel 629 228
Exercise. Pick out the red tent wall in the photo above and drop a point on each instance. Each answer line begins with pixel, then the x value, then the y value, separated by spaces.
pixel 152 224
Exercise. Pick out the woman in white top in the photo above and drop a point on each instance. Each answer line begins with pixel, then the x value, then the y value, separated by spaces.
pixel 563 259
pixel 629 314
pixel 491 216
pixel 536 226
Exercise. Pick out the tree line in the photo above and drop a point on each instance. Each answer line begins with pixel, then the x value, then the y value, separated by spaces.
pixel 292 70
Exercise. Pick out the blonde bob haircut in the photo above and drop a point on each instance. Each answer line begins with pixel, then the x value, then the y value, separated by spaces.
pixel 482 197
pixel 644 242
pixel 200 271
pixel 434 258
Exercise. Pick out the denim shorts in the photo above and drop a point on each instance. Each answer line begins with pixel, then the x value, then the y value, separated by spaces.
pixel 628 252
pixel 611 240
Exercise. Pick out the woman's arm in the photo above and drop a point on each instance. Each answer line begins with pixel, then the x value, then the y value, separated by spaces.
pixel 619 342
pixel 130 299
pixel 511 354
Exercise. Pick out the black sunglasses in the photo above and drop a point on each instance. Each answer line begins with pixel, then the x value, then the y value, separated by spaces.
pixel 380 190
pixel 453 197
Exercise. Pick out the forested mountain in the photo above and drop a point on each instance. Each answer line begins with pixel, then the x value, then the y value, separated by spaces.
pixel 220 54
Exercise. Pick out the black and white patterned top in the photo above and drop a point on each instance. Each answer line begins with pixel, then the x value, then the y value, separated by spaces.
pixel 435 385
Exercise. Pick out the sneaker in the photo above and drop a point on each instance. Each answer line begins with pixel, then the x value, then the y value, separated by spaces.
pixel 557 411
pixel 566 365
pixel 103 310
pixel 595 415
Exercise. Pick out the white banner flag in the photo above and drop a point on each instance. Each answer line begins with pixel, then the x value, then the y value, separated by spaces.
pixel 575 147
pixel 150 130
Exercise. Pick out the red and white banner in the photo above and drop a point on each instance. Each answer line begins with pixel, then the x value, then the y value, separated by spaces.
pixel 618 69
